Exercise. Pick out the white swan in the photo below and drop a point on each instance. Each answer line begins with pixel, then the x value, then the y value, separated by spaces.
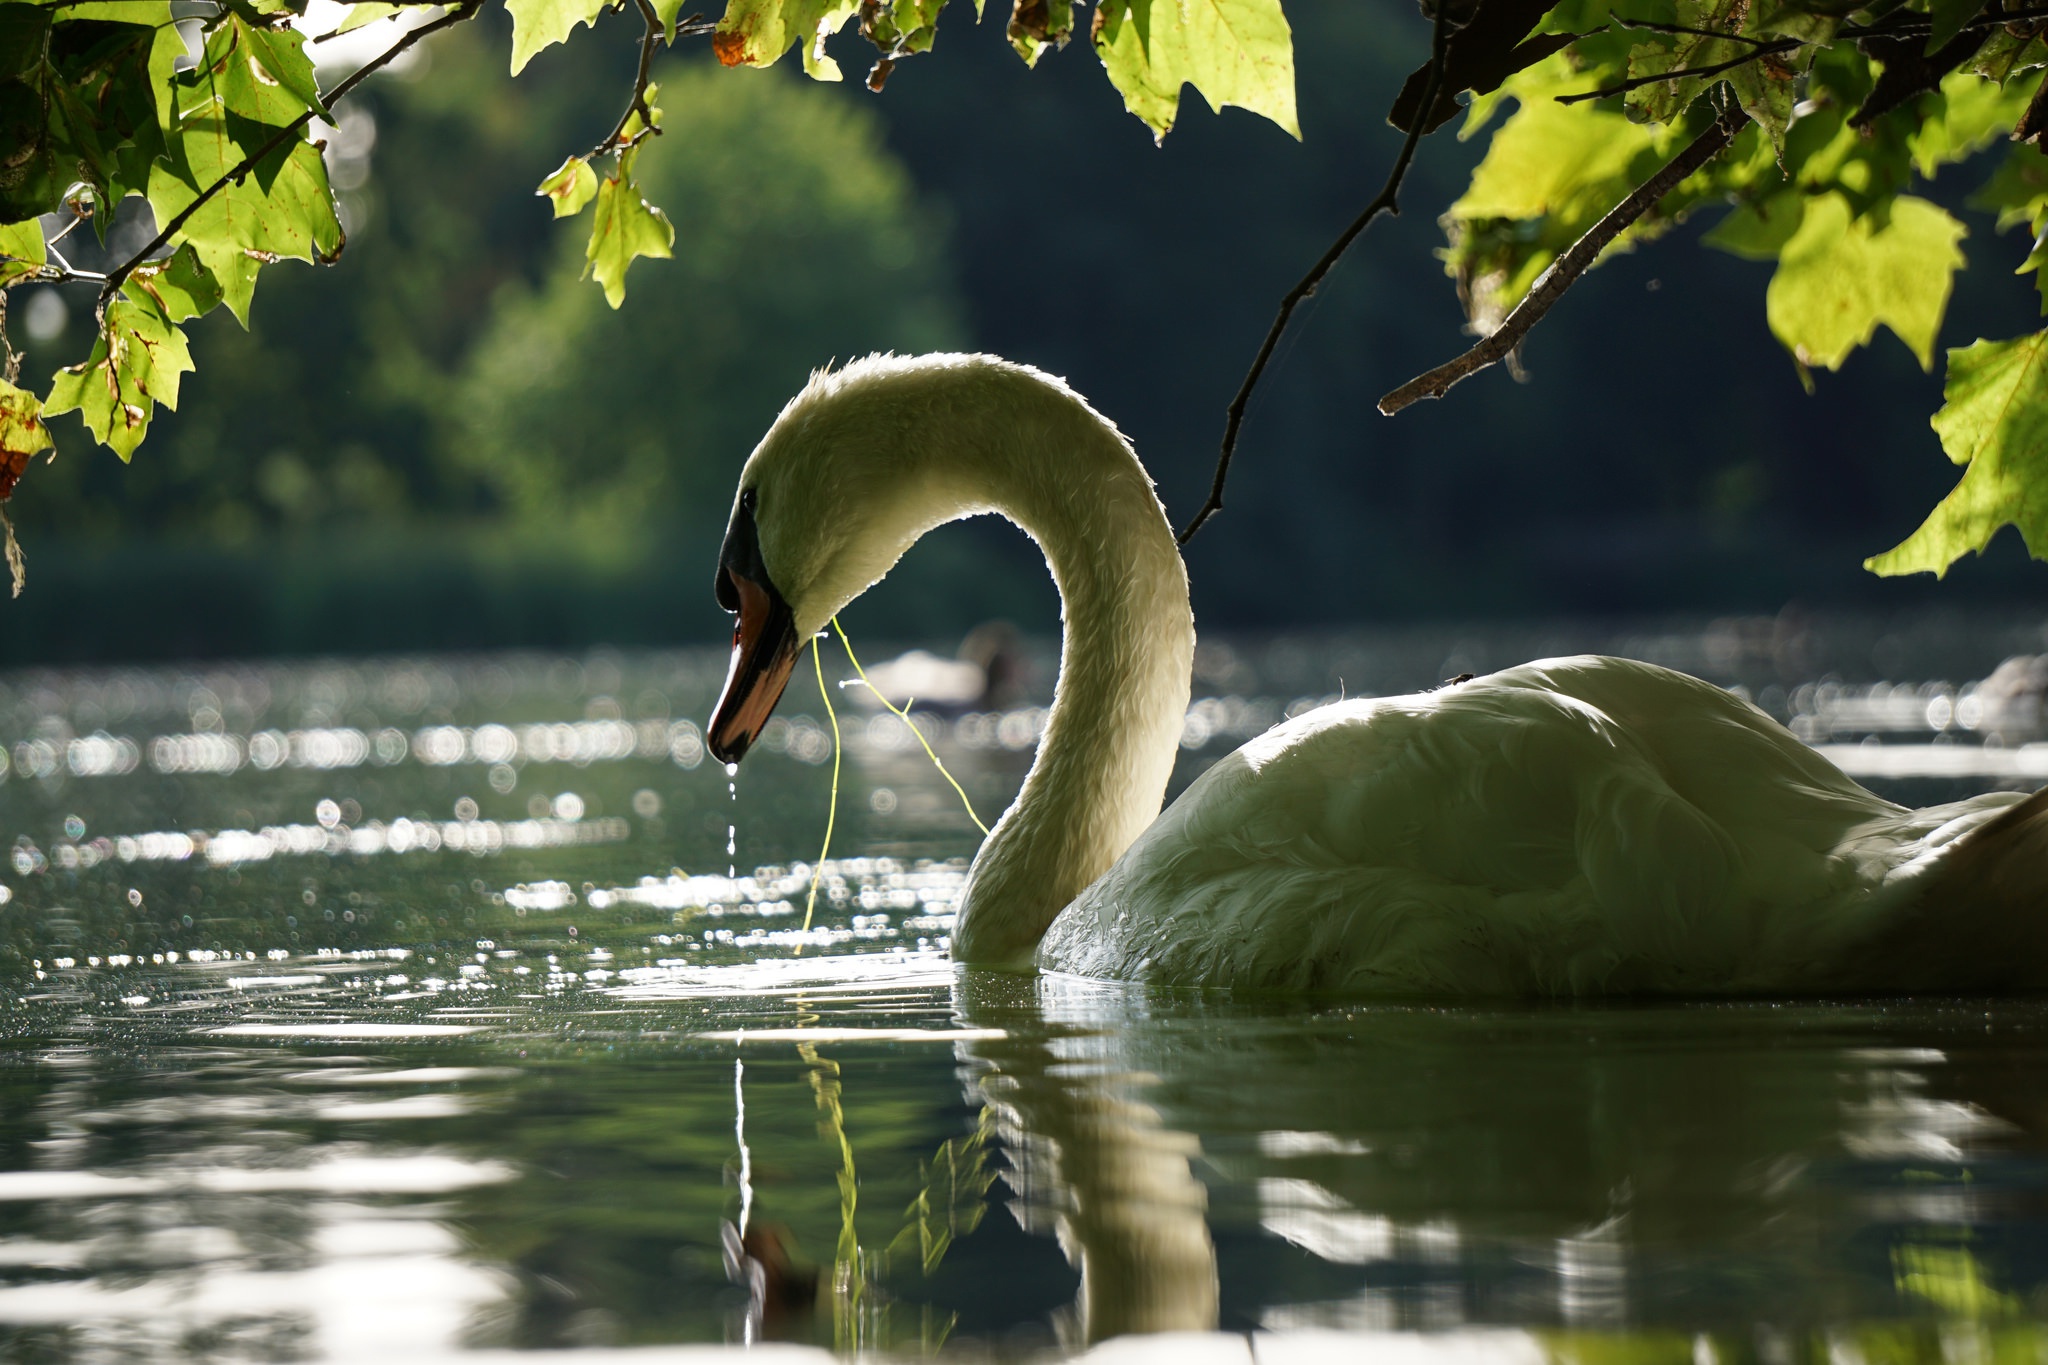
pixel 1574 826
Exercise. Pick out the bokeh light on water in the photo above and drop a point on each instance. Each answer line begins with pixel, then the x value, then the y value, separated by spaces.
pixel 406 1008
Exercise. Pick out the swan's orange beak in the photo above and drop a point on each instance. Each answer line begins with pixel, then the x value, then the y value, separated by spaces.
pixel 764 643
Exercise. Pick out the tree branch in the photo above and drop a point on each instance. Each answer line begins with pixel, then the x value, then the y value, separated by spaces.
pixel 650 38
pixel 1385 201
pixel 1899 25
pixel 1568 267
pixel 463 10
pixel 1757 53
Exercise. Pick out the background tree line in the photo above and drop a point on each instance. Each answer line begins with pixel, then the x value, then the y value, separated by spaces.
pixel 447 440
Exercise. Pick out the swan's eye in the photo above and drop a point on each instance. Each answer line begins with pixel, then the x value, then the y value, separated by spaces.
pixel 750 498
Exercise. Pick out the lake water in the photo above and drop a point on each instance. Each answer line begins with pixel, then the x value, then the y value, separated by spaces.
pixel 415 1008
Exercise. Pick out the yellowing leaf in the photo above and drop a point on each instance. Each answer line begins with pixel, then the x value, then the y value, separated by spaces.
pixel 135 363
pixel 538 24
pixel 570 187
pixel 627 227
pixel 21 250
pixel 1839 277
pixel 758 32
pixel 1237 52
pixel 22 434
pixel 1995 422
pixel 1036 25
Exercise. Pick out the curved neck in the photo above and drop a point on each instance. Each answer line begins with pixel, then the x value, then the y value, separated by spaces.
pixel 1126 653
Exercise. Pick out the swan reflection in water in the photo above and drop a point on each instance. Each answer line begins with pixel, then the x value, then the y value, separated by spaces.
pixel 1704 1170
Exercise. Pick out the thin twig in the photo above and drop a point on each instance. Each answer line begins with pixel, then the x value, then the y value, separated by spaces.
pixel 616 140
pixel 650 38
pixel 10 359
pixel 1899 26
pixel 63 272
pixel 1682 30
pixel 120 273
pixel 1712 69
pixel 1385 201
pixel 1568 267
pixel 69 228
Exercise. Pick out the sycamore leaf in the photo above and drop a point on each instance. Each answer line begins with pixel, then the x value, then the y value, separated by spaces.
pixel 1840 276
pixel 1995 422
pixel 280 55
pixel 1968 114
pixel 365 12
pixel 758 32
pixel 2018 192
pixel 570 187
pixel 22 434
pixel 538 24
pixel 1492 46
pixel 1663 101
pixel 181 288
pixel 1759 231
pixel 626 227
pixel 1548 154
pixel 1237 52
pixel 21 250
pixel 667 12
pixel 237 71
pixel 135 363
pixel 283 208
pixel 1949 16
pixel 2006 54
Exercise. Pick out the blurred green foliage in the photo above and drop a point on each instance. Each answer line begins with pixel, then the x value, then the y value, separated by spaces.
pixel 799 237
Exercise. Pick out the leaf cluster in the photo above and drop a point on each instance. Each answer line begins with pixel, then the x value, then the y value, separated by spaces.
pixel 1844 110
pixel 202 113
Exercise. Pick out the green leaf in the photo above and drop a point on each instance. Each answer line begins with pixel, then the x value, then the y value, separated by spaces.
pixel 1995 422
pixel 1759 231
pixel 1548 156
pixel 1949 16
pixel 281 53
pixel 2005 54
pixel 1840 276
pixel 262 76
pixel 1967 114
pixel 283 208
pixel 1663 101
pixel 538 24
pixel 135 363
pixel 180 287
pixel 667 12
pixel 626 227
pixel 758 32
pixel 1237 52
pixel 367 12
pixel 570 187
pixel 21 250
pixel 2018 193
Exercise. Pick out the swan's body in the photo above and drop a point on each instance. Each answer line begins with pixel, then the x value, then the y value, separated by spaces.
pixel 1578 826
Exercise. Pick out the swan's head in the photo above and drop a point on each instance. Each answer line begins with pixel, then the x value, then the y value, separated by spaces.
pixel 859 465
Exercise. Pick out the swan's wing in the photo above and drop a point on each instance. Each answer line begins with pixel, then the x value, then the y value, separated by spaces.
pixel 1570 826
pixel 1967 890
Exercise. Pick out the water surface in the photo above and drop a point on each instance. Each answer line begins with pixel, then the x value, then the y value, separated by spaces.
pixel 393 1008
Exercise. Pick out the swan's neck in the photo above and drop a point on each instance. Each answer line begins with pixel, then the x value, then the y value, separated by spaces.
pixel 1125 659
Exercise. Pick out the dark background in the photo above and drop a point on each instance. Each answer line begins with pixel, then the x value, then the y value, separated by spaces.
pixel 446 441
